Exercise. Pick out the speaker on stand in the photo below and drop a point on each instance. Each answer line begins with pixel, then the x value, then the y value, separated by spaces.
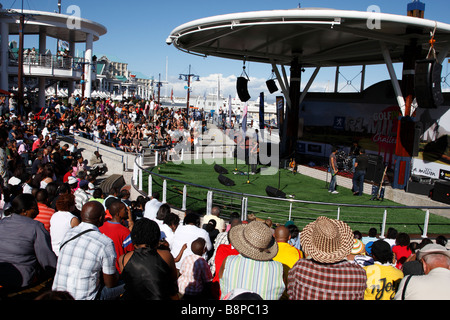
pixel 375 168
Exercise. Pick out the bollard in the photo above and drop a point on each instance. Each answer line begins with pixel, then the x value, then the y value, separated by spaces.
pixel 209 200
pixel 383 226
pixel 183 207
pixel 164 191
pixel 425 227
pixel 150 186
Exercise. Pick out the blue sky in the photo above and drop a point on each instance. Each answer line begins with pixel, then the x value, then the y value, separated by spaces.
pixel 137 31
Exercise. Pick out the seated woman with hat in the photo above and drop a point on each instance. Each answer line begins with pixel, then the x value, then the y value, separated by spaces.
pixel 253 268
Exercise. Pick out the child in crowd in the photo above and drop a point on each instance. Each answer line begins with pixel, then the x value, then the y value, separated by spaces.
pixel 401 249
pixel 195 274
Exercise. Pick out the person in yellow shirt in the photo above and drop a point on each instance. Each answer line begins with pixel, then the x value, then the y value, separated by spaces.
pixel 287 254
pixel 383 278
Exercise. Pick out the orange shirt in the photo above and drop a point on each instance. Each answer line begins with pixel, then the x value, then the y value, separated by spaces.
pixel 44 216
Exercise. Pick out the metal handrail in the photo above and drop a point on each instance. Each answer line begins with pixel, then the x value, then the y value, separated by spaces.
pixel 137 183
pixel 49 61
pixel 284 199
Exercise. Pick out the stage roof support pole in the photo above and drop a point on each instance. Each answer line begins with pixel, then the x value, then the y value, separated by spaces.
pixel 394 80
pixel 283 84
pixel 308 85
pixel 336 80
pixel 285 77
pixel 289 141
pixel 363 78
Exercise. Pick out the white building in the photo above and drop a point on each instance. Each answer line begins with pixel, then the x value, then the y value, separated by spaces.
pixel 116 81
pixel 41 68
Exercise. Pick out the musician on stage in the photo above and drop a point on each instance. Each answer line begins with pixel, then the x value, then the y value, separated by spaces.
pixel 253 154
pixel 334 171
pixel 361 164
pixel 354 152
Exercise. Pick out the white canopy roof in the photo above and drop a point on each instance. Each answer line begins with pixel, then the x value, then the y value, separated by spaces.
pixel 60 26
pixel 319 37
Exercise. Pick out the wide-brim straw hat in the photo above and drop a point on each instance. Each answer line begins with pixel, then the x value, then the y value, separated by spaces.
pixel 254 241
pixel 327 240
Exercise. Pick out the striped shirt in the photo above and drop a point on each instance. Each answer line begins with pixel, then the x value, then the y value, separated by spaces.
pixel 44 216
pixel 310 280
pixel 222 238
pixel 262 277
pixel 81 197
pixel 82 261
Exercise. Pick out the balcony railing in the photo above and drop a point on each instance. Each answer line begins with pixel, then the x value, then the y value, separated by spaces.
pixel 48 61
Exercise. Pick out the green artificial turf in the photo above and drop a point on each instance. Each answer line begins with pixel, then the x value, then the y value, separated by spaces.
pixel 296 186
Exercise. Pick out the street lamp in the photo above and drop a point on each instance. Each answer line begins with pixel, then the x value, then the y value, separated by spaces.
pixel 187 77
pixel 159 84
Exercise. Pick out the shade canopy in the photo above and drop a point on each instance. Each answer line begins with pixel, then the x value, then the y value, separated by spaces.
pixel 317 37
pixel 56 25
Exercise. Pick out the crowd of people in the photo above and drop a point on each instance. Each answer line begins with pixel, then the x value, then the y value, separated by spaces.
pixel 121 125
pixel 63 237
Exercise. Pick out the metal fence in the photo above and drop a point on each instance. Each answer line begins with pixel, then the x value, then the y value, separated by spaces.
pixel 279 210
pixel 48 61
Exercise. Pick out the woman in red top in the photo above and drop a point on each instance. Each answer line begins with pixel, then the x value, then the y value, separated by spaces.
pixel 401 249
pixel 223 251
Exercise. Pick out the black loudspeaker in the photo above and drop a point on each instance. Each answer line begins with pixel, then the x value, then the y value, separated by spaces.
pixel 116 180
pixel 419 188
pixel 226 181
pixel 441 192
pixel 273 192
pixel 220 169
pixel 241 87
pixel 271 86
pixel 375 168
pixel 427 84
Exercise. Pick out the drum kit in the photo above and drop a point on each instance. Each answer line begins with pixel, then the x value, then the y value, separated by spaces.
pixel 344 161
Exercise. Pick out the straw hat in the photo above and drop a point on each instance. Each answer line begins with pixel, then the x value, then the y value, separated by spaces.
pixel 327 240
pixel 254 241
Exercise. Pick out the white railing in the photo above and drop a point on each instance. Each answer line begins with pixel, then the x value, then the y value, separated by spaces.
pixel 281 209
